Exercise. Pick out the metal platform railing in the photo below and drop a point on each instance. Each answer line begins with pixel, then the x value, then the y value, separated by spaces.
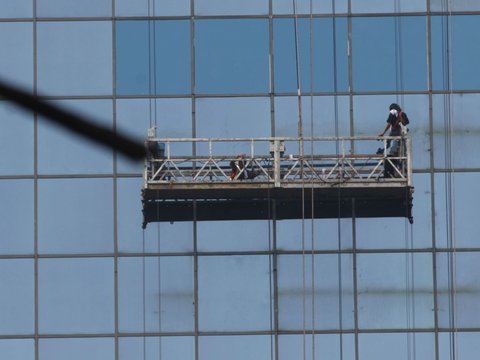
pixel 276 160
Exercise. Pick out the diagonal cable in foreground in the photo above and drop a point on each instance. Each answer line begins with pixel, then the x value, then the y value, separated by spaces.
pixel 75 123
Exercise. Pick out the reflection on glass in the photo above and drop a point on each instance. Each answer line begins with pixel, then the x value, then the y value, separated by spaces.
pixel 332 296
pixel 457 5
pixel 17 289
pixel 16 140
pixel 17 349
pixel 407 345
pixel 73 8
pixel 153 348
pixel 76 296
pixel 153 57
pixel 75 216
pixel 388 54
pixel 61 152
pixel 231 56
pixel 235 347
pixel 152 7
pixel 395 291
pixel 458 289
pixel 244 306
pixel 69 63
pixel 17 214
pixel 17 37
pixel 231 7
pixel 77 349
pixel 330 63
pixel 166 302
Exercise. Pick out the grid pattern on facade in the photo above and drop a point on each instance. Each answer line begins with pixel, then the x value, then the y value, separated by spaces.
pixel 81 279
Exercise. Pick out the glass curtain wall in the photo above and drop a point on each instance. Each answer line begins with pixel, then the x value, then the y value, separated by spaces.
pixel 81 279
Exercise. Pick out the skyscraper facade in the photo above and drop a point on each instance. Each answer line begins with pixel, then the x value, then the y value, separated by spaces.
pixel 80 279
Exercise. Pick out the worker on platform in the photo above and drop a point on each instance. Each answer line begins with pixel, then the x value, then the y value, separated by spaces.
pixel 238 170
pixel 397 122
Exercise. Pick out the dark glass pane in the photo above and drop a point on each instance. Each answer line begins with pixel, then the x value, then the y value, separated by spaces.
pixel 153 57
pixel 231 56
pixel 389 53
pixel 330 63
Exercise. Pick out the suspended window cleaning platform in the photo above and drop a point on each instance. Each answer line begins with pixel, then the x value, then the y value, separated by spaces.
pixel 270 178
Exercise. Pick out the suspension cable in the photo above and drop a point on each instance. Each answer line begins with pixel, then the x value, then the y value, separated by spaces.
pixel 300 135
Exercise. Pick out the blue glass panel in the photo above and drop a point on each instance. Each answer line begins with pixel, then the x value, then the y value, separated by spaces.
pixel 258 347
pixel 325 112
pixel 17 349
pixel 73 8
pixel 232 118
pixel 330 61
pixel 16 140
pixel 159 237
pixel 77 349
pixel 233 293
pixel 76 295
pixel 326 346
pixel 231 56
pixel 75 216
pixel 398 284
pixel 456 130
pixel 397 346
pixel 69 63
pixel 149 7
pixel 303 6
pixel 457 5
pixel 16 9
pixel 462 345
pixel 172 118
pixel 371 113
pixel 327 234
pixel 166 301
pixel 388 6
pixel 17 67
pixel 153 57
pixel 16 212
pixel 153 348
pixel 459 209
pixel 17 302
pixel 331 296
pixel 458 289
pixel 388 54
pixel 233 235
pixel 61 152
pixel 231 7
pixel 395 233
pixel 454 52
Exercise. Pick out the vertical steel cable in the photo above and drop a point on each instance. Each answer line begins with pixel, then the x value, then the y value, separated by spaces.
pixel 300 135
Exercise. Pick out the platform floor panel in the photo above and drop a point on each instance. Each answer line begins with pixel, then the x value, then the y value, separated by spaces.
pixel 278 203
